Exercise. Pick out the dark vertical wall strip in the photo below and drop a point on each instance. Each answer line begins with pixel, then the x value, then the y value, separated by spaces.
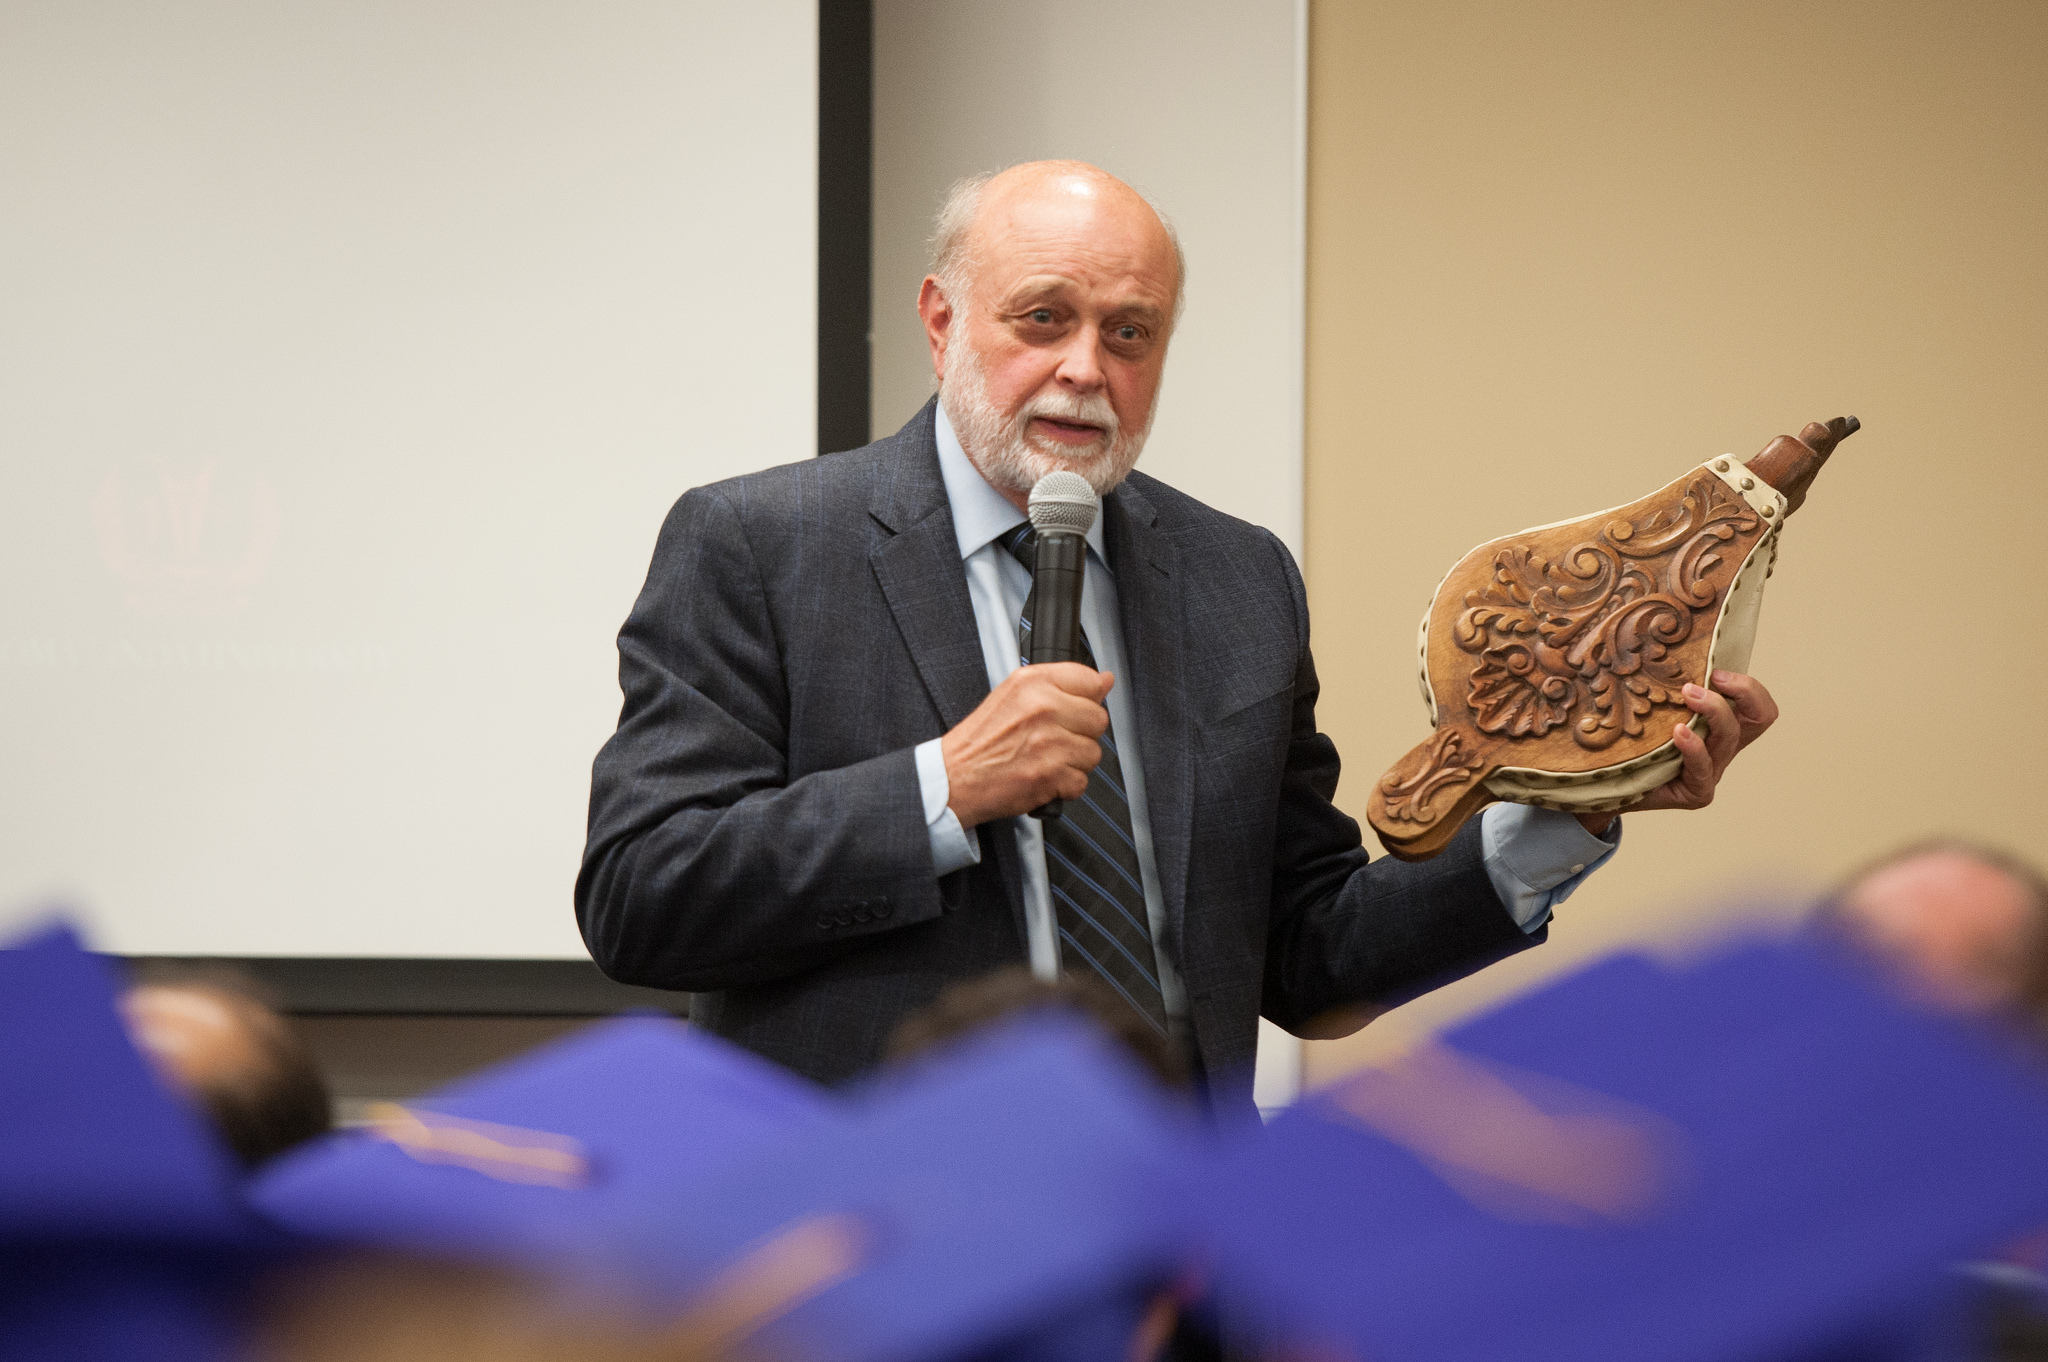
pixel 846 117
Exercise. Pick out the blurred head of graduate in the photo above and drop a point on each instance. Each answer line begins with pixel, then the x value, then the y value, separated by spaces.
pixel 212 1034
pixel 1963 928
pixel 1137 1324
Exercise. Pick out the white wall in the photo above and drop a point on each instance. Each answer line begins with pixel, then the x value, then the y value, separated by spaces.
pixel 1201 104
pixel 351 353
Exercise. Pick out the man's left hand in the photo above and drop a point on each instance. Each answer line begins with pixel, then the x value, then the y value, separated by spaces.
pixel 1737 711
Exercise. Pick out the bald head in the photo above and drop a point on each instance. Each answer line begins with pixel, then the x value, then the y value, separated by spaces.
pixel 1011 202
pixel 1053 293
pixel 1968 928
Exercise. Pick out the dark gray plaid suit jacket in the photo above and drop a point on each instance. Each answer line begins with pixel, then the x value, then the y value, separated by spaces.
pixel 756 831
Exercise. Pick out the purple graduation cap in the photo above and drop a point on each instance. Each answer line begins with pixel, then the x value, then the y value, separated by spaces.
pixel 121 1231
pixel 538 1162
pixel 1025 1185
pixel 1760 1155
pixel 96 1147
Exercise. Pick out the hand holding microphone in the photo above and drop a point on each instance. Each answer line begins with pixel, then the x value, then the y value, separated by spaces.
pixel 1033 741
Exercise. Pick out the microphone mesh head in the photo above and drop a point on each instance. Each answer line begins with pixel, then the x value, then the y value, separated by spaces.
pixel 1063 503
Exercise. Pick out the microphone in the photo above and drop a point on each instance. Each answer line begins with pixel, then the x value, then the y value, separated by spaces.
pixel 1063 508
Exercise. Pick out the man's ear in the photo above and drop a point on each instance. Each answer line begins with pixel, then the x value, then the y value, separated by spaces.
pixel 937 312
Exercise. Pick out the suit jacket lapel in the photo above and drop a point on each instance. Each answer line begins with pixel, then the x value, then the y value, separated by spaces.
pixel 1149 601
pixel 918 568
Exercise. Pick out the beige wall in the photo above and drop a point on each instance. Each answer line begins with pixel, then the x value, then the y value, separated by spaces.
pixel 1558 252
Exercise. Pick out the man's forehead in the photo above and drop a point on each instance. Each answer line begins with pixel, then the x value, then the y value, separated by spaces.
pixel 1112 292
pixel 1085 232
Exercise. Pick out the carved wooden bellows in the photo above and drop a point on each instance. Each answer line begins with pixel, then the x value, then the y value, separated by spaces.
pixel 1553 659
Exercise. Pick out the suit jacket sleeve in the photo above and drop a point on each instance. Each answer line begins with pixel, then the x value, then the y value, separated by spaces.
pixel 1346 931
pixel 709 865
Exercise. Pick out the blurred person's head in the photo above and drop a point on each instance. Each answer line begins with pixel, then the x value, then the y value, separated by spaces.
pixel 1140 1325
pixel 973 1004
pixel 1964 926
pixel 211 1035
pixel 374 1307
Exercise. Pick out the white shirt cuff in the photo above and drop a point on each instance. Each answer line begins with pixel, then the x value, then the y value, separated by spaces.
pixel 1536 857
pixel 952 848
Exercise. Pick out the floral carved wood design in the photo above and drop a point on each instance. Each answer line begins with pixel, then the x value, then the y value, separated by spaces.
pixel 1549 654
pixel 1448 761
pixel 1592 631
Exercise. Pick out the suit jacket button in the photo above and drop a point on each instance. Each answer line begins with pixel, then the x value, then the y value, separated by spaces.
pixel 826 923
pixel 846 919
pixel 883 909
pixel 861 915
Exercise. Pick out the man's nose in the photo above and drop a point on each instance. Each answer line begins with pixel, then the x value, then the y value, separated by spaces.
pixel 1080 366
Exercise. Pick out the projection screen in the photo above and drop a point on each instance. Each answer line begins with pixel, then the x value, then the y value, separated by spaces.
pixel 351 353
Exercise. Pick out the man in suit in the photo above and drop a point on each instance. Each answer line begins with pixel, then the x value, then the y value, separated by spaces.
pixel 814 814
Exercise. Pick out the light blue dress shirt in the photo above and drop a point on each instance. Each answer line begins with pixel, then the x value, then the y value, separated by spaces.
pixel 1535 857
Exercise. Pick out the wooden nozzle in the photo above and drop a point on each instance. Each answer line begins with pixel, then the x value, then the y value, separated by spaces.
pixel 1790 463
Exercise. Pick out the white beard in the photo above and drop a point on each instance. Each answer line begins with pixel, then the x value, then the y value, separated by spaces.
pixel 1005 452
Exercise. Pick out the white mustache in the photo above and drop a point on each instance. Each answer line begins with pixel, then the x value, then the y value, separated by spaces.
pixel 1093 410
pixel 1006 451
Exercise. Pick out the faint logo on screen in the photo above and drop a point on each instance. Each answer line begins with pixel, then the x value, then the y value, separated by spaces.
pixel 186 543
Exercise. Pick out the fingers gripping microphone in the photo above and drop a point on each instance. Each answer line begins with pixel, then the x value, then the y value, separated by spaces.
pixel 1063 508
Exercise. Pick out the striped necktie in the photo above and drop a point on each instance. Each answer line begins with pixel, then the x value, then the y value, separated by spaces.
pixel 1091 859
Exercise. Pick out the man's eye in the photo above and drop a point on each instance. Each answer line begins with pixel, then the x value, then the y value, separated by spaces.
pixel 1042 315
pixel 1129 333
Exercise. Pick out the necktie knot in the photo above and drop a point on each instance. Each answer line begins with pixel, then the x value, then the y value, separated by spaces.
pixel 1022 542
